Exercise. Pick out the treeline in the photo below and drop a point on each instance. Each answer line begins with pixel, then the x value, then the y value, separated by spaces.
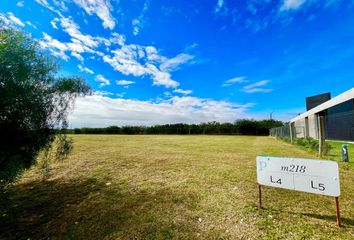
pixel 239 127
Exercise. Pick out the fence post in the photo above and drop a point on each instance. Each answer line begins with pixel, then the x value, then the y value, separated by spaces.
pixel 321 136
pixel 291 133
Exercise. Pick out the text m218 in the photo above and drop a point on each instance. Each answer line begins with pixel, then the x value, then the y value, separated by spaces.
pixel 293 168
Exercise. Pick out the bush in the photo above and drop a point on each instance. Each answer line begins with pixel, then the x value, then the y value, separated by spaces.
pixel 313 145
pixel 33 102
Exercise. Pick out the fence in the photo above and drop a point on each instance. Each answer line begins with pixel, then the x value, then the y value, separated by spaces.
pixel 326 125
pixel 337 126
pixel 281 132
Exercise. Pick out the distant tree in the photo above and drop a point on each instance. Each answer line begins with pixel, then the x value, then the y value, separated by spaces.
pixel 33 103
pixel 239 127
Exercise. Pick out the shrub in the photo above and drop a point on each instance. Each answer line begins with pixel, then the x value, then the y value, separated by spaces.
pixel 313 145
pixel 33 102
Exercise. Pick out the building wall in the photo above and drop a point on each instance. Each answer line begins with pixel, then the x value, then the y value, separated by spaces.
pixel 307 127
pixel 340 121
pixel 313 126
pixel 299 127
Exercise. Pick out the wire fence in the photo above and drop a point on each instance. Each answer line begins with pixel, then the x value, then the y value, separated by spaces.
pixel 281 132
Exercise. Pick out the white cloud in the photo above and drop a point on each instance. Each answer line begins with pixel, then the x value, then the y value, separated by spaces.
pixel 99 111
pixel 31 24
pixel 138 22
pixel 125 60
pixel 257 87
pixel 102 93
pixel 84 42
pixel 175 62
pixel 20 4
pixel 101 8
pixel 71 28
pixel 124 82
pixel 219 5
pixel 9 20
pixel 167 94
pixel 129 59
pixel 103 81
pixel 61 5
pixel 45 4
pixel 292 4
pixel 14 20
pixel 139 60
pixel 120 95
pixel 84 69
pixel 161 78
pixel 136 26
pixel 5 21
pixel 80 43
pixel 257 84
pixel 152 54
pixel 255 90
pixel 185 92
pixel 234 80
pixel 77 56
pixel 117 39
pixel 56 47
pixel 221 8
pixel 54 23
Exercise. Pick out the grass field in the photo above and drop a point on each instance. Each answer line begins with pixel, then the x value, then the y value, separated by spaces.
pixel 169 187
pixel 336 152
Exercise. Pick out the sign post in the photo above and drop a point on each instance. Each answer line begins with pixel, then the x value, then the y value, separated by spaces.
pixel 306 175
pixel 260 195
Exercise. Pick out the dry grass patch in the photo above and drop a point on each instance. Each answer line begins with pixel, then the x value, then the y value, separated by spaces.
pixel 168 187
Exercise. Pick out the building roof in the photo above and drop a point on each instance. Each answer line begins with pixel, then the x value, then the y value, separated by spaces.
pixel 330 103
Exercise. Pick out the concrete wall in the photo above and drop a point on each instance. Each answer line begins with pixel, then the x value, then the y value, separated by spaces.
pixel 299 126
pixel 307 127
pixel 313 126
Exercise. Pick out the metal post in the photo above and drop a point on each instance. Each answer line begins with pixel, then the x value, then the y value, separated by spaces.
pixel 260 195
pixel 338 213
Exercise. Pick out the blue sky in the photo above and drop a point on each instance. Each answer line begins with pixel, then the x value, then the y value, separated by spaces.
pixel 154 61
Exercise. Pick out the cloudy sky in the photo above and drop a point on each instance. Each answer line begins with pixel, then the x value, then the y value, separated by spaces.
pixel 158 61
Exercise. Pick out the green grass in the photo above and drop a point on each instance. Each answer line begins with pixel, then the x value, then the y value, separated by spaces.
pixel 336 152
pixel 169 187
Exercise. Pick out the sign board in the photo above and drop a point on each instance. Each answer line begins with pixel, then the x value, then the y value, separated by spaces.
pixel 307 175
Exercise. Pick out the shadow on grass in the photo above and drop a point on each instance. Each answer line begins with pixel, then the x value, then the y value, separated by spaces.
pixel 329 218
pixel 88 209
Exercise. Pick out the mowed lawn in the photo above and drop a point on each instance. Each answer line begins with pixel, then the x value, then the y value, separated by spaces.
pixel 169 187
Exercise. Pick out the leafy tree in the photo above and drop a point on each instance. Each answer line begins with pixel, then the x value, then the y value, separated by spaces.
pixel 33 102
pixel 240 127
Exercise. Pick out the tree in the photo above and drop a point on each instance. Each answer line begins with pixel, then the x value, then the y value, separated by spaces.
pixel 33 103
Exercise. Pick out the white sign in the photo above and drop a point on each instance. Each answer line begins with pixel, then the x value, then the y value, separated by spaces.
pixel 307 175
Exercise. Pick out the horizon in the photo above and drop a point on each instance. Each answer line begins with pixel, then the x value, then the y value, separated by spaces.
pixel 154 62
